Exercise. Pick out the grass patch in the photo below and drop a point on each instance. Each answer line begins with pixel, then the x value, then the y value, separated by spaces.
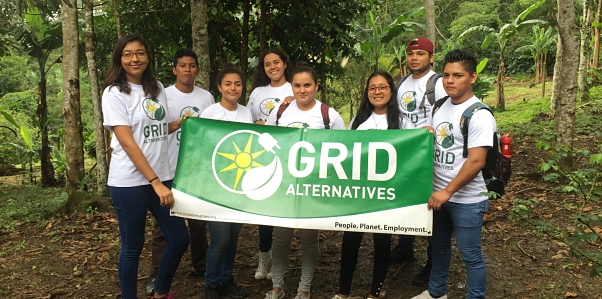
pixel 28 203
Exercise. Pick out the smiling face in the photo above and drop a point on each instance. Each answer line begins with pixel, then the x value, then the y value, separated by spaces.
pixel 134 61
pixel 304 89
pixel 458 82
pixel 230 87
pixel 379 93
pixel 186 71
pixel 419 62
pixel 274 68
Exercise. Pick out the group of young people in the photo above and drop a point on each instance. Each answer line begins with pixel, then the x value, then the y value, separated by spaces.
pixel 146 118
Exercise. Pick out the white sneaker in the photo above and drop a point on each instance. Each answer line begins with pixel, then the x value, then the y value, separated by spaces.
pixel 274 295
pixel 426 295
pixel 339 297
pixel 264 267
pixel 301 296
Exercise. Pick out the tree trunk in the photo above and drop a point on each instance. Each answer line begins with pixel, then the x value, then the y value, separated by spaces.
pixel 117 18
pixel 584 51
pixel 567 90
pixel 101 162
pixel 200 41
pixel 430 23
pixel 537 68
pixel 500 102
pixel 596 56
pixel 556 78
pixel 322 79
pixel 244 48
pixel 47 178
pixel 72 121
pixel 544 73
pixel 263 43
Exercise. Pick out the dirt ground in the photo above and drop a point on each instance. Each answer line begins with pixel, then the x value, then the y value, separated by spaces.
pixel 76 256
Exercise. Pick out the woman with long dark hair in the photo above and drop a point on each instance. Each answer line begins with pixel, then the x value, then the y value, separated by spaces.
pixel 378 110
pixel 271 85
pixel 135 109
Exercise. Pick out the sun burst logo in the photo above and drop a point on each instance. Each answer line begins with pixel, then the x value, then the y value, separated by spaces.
pixel 408 101
pixel 266 106
pixel 192 111
pixel 153 109
pixel 247 170
pixel 444 135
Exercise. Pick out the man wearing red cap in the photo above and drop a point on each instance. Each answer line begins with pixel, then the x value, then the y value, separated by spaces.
pixel 416 95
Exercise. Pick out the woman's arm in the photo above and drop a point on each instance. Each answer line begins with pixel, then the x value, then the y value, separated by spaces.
pixel 126 139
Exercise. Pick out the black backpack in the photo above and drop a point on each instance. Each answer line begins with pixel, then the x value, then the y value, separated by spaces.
pixel 429 93
pixel 492 170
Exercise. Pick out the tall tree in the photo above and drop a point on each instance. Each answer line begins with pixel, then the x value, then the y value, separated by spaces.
pixel 72 121
pixel 101 161
pixel 567 89
pixel 541 41
pixel 596 27
pixel 584 51
pixel 556 78
pixel 244 48
pixel 502 36
pixel 200 41
pixel 39 38
pixel 430 22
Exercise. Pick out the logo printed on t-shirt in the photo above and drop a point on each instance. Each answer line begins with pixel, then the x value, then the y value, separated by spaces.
pixel 444 135
pixel 192 111
pixel 153 109
pixel 266 106
pixel 408 101
pixel 298 124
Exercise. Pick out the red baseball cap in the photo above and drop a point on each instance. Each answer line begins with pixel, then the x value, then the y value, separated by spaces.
pixel 421 44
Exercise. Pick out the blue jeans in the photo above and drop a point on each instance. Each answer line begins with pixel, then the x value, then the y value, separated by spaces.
pixel 467 221
pixel 221 252
pixel 131 205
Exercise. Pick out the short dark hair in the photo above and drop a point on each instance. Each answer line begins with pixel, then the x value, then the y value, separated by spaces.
pixel 184 52
pixel 229 68
pixel 303 67
pixel 466 59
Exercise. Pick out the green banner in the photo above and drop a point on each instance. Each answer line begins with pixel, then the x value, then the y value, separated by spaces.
pixel 372 180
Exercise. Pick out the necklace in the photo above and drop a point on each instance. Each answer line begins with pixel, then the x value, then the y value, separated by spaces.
pixel 226 114
pixel 381 119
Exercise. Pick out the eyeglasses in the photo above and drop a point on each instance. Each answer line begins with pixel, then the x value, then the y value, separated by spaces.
pixel 372 89
pixel 130 55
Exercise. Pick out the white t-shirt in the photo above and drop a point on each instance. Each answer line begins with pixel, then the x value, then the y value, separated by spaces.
pixel 178 103
pixel 293 117
pixel 148 119
pixel 449 145
pixel 379 122
pixel 216 111
pixel 265 99
pixel 410 94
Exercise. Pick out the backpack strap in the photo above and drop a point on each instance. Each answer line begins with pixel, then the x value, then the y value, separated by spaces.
pixel 398 84
pixel 465 120
pixel 438 105
pixel 324 109
pixel 280 111
pixel 429 93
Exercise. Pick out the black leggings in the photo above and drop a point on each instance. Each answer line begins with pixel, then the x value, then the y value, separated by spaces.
pixel 265 238
pixel 349 252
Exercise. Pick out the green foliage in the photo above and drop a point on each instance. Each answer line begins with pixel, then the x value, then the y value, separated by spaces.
pixel 12 75
pixel 28 203
pixel 482 87
pixel 374 38
pixel 582 186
